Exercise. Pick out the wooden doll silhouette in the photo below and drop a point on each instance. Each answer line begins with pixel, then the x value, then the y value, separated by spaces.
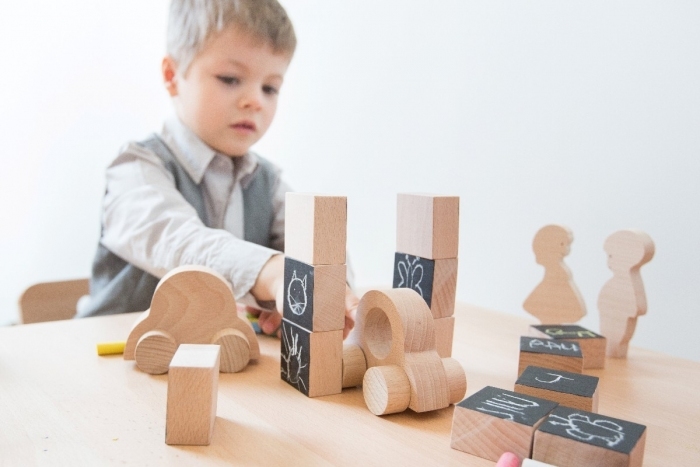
pixel 622 298
pixel 556 300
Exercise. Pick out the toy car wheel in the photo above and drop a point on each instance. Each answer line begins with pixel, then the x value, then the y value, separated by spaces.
pixel 235 350
pixel 154 351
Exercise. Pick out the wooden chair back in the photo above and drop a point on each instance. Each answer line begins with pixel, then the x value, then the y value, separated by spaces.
pixel 52 301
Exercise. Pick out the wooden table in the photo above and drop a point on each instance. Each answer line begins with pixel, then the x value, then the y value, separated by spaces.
pixel 61 404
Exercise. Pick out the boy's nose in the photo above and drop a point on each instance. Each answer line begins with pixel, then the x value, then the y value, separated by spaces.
pixel 250 100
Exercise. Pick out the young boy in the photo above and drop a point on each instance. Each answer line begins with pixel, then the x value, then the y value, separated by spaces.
pixel 195 193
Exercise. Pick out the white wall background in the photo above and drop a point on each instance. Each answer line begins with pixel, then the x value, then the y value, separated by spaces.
pixel 582 113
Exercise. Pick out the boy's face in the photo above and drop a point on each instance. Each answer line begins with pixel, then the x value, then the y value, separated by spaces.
pixel 228 96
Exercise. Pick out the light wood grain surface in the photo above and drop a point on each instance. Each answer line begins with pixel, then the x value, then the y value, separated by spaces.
pixel 61 404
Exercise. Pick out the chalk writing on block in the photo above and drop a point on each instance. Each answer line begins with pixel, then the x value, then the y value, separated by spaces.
pixel 298 293
pixel 414 272
pixel 531 344
pixel 594 429
pixel 295 356
pixel 509 405
pixel 558 380
pixel 566 332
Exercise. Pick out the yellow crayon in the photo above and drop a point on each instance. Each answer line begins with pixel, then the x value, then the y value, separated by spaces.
pixel 110 348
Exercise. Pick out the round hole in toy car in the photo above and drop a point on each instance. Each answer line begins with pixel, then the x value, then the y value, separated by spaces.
pixel 378 333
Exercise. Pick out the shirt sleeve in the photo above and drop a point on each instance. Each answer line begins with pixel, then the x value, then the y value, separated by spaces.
pixel 147 222
pixel 277 228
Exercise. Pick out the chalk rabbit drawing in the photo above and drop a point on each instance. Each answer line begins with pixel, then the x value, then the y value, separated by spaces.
pixel 581 427
pixel 411 274
pixel 292 356
pixel 296 294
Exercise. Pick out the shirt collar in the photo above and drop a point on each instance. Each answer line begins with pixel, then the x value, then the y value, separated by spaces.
pixel 195 155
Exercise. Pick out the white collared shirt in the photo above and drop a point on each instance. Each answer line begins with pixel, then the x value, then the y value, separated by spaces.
pixel 147 222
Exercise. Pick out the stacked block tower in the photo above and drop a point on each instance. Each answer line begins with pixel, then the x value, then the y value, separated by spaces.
pixel 314 293
pixel 427 239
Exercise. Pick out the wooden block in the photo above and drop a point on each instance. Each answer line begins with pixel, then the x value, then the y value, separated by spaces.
pixel 315 228
pixel 434 279
pixel 577 438
pixel 493 421
pixel 312 362
pixel 427 225
pixel 546 353
pixel 592 344
pixel 386 389
pixel 444 333
pixel 193 382
pixel 570 389
pixel 354 365
pixel 556 299
pixel 622 299
pixel 314 295
pixel 191 305
pixel 395 327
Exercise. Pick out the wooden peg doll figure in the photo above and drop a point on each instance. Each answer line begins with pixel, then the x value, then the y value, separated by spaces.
pixel 556 300
pixel 622 298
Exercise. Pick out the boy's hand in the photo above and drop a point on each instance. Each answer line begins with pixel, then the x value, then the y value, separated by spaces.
pixel 270 286
pixel 270 323
pixel 351 302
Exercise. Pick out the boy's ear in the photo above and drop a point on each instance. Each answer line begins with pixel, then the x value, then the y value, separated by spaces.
pixel 169 68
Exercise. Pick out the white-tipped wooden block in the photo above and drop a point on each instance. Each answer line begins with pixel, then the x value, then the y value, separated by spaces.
pixel 315 228
pixel 427 225
pixel 193 382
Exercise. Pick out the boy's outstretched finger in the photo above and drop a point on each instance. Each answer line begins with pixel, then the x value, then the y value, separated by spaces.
pixel 270 323
pixel 508 459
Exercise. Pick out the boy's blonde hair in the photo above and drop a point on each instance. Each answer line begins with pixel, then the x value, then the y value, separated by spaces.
pixel 192 22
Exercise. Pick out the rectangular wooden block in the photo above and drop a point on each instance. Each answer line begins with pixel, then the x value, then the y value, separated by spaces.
pixel 592 344
pixel 546 353
pixel 444 335
pixel 578 438
pixel 493 421
pixel 193 380
pixel 434 279
pixel 568 389
pixel 315 228
pixel 427 225
pixel 314 295
pixel 312 362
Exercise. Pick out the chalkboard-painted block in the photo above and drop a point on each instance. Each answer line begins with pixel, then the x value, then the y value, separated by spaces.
pixel 444 333
pixel 427 225
pixel 434 279
pixel 592 344
pixel 493 421
pixel 314 296
pixel 577 438
pixel 547 353
pixel 193 382
pixel 312 362
pixel 569 389
pixel 315 228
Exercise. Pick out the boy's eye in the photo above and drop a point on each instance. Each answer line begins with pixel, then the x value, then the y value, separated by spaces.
pixel 270 90
pixel 229 80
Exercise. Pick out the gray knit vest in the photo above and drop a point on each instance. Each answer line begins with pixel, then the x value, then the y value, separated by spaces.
pixel 117 286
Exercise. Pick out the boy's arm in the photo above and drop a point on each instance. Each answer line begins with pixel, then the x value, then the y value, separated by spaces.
pixel 147 222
